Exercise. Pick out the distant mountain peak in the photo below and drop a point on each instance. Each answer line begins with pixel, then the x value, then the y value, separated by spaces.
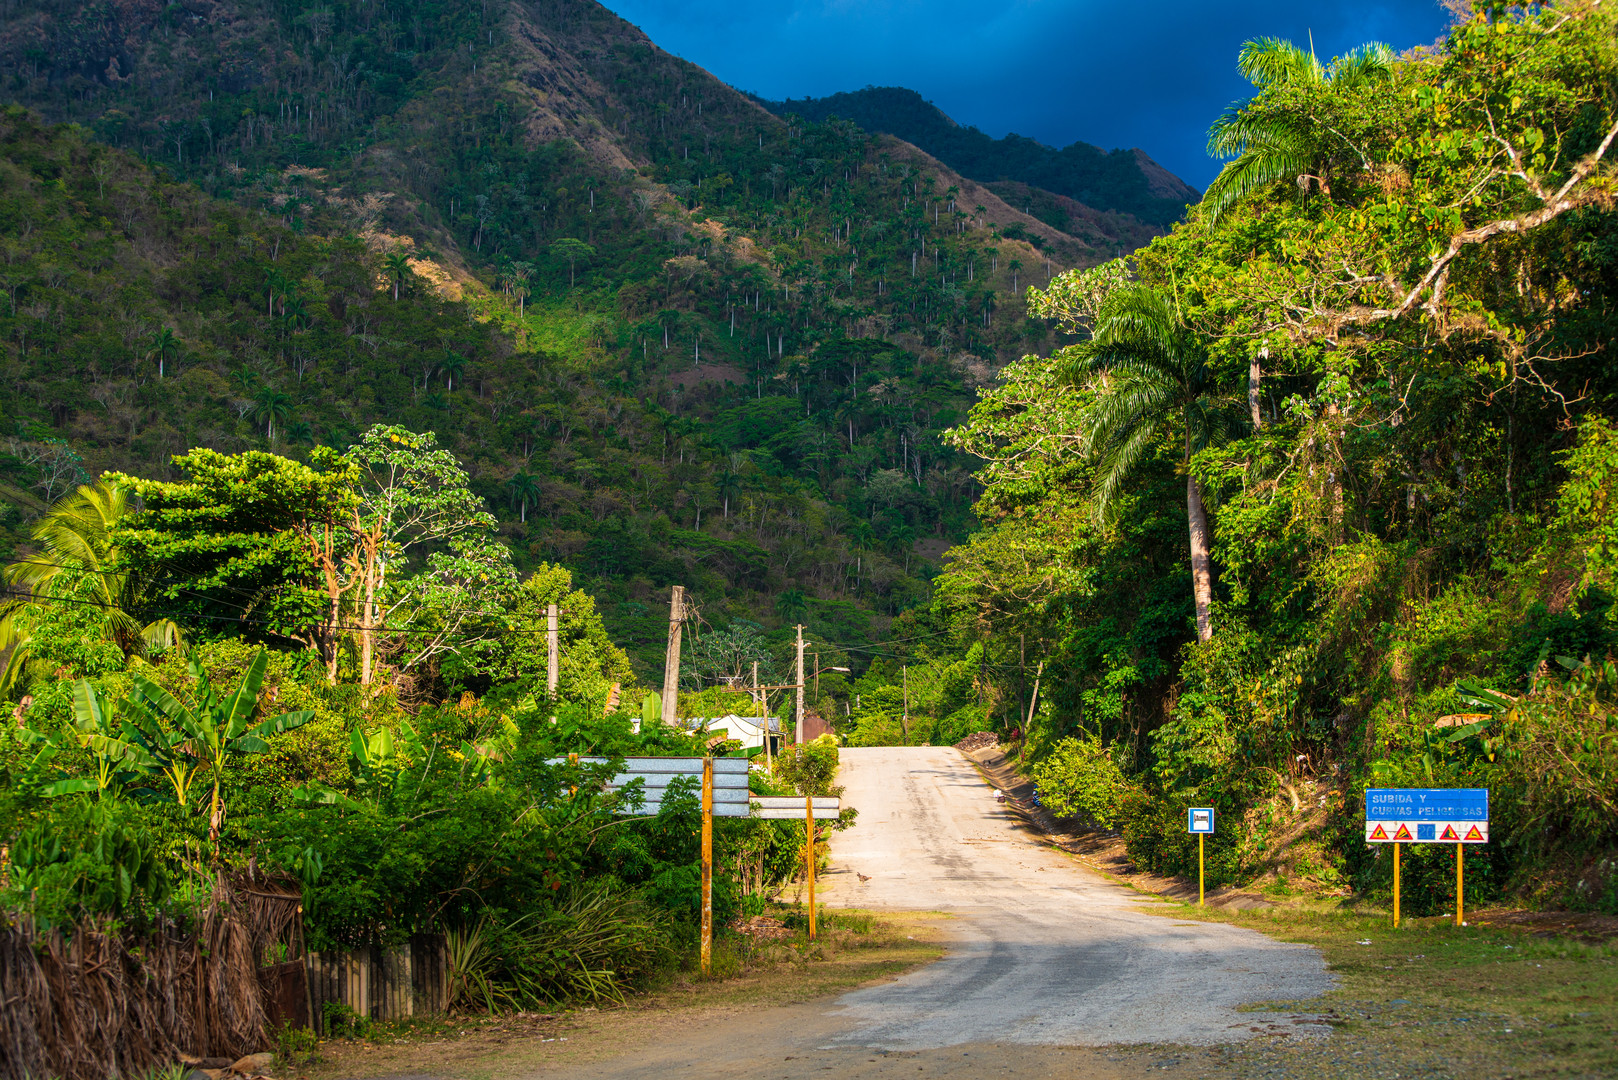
pixel 1128 181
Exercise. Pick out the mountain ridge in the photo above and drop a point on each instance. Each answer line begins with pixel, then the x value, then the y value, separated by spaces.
pixel 1122 180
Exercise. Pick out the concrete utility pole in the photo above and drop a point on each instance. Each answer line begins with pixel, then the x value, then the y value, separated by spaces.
pixel 798 727
pixel 904 717
pixel 553 650
pixel 671 661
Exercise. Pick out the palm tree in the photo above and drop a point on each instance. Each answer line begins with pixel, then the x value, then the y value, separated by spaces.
pixel 397 267
pixel 271 405
pixel 164 344
pixel 1155 375
pixel 902 541
pixel 275 284
pixel 452 366
pixel 791 605
pixel 860 537
pixel 730 485
pixel 524 489
pixel 78 560
pixel 1273 145
pixel 520 273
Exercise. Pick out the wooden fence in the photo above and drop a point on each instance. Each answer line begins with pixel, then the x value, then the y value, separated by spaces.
pixel 381 984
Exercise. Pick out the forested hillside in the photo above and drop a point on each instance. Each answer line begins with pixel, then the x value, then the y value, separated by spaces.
pixel 1125 181
pixel 671 337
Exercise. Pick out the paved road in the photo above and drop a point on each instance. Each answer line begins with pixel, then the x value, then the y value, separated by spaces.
pixel 1047 952
pixel 1048 962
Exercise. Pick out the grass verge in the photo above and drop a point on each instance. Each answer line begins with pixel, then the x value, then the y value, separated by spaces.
pixel 1435 1000
pixel 854 948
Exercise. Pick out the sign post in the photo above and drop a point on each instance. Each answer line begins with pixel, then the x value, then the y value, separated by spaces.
pixel 707 864
pixel 809 856
pixel 1460 889
pixel 788 808
pixel 1458 816
pixel 724 794
pixel 1200 820
pixel 1396 885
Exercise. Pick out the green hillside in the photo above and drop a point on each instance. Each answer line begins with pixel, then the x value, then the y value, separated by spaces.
pixel 672 337
pixel 1120 180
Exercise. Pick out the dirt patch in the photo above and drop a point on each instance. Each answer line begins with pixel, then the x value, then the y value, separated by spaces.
pixel 1099 849
pixel 1577 925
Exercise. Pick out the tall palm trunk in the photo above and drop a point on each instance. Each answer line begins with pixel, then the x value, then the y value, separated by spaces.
pixel 1201 564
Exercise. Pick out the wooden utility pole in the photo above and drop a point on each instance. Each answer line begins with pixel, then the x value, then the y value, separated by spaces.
pixel 553 650
pixel 671 661
pixel 1033 704
pixel 797 734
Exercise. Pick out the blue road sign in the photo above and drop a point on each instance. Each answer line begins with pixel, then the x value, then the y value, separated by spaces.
pixel 1199 820
pixel 1427 804
pixel 1427 815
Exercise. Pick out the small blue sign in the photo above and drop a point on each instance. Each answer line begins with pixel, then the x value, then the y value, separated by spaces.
pixel 1427 804
pixel 1426 832
pixel 1199 820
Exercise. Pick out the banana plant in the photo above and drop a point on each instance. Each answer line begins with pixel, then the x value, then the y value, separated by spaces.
pixel 96 728
pixel 187 742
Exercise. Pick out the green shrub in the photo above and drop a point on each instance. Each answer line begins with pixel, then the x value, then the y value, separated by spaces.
pixel 1079 777
pixel 593 945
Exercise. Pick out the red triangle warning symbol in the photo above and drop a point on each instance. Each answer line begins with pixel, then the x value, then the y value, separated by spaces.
pixel 1449 833
pixel 1379 833
pixel 1474 834
pixel 1403 833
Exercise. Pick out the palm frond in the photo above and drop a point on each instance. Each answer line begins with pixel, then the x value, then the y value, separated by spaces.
pixel 1119 461
pixel 1245 128
pixel 1367 64
pixel 1270 61
pixel 1258 168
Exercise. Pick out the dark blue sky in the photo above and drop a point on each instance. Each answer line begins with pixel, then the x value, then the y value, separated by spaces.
pixel 1110 72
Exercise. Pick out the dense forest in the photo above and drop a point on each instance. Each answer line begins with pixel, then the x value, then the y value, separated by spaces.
pixel 344 340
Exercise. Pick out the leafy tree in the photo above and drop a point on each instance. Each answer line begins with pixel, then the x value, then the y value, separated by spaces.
pixel 571 251
pixel 727 656
pixel 411 501
pixel 233 544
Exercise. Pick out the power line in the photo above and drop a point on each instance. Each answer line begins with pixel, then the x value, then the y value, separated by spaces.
pixel 41 599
